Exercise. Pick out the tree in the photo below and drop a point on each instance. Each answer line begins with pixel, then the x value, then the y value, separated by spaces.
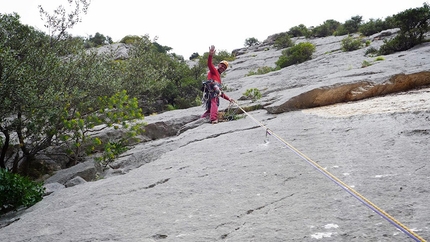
pixel 296 54
pixel 98 40
pixel 298 31
pixel 162 48
pixel 328 28
pixel 129 39
pixel 413 24
pixel 282 41
pixel 60 21
pixel 54 92
pixel 195 55
pixel 373 26
pixel 24 52
pixel 351 26
pixel 251 42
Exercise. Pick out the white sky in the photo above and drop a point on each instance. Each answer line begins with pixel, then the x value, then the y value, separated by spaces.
pixel 190 26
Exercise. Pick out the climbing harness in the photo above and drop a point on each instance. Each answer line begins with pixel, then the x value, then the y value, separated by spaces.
pixel 336 180
pixel 210 89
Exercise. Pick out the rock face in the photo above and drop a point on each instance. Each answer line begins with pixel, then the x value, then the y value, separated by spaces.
pixel 235 182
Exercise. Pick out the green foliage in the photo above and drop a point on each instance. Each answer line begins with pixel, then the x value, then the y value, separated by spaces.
pixel 261 71
pixel 231 114
pixel 282 41
pixel 328 28
pixel 253 93
pixel 350 26
pixel 394 45
pixel 97 40
pixel 154 76
pixel 111 151
pixel 55 92
pixel 130 39
pixel 194 56
pixel 365 64
pixel 297 54
pixel 350 43
pixel 298 31
pixel 413 23
pixel 17 191
pixel 372 51
pixel 223 55
pixel 171 107
pixel 162 48
pixel 374 26
pixel 78 123
pixel 24 95
pixel 251 42
pixel 60 21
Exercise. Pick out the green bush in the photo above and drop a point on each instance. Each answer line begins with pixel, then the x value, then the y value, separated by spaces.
pixel 195 55
pixel 296 54
pixel 373 26
pixel 282 41
pixel 111 151
pixel 231 114
pixel 413 24
pixel 251 42
pixel 17 191
pixel 328 28
pixel 299 30
pixel 371 51
pixel 398 43
pixel 261 71
pixel 350 44
pixel 253 93
pixel 365 64
pixel 351 26
pixel 130 39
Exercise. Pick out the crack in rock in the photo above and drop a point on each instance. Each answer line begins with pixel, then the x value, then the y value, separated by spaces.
pixel 217 135
pixel 157 183
pixel 224 236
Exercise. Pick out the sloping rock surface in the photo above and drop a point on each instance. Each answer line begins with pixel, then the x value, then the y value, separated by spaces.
pixel 234 182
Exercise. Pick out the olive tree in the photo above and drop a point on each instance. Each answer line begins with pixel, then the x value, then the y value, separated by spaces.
pixel 45 94
pixel 413 24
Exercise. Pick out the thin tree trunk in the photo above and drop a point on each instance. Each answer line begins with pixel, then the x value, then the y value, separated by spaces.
pixel 25 151
pixel 4 148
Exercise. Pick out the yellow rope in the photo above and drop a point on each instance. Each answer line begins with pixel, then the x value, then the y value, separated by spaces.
pixel 391 219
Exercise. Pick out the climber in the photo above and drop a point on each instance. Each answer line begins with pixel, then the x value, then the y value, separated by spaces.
pixel 213 87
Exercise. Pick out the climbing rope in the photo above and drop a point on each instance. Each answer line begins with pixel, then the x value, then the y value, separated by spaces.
pixel 336 180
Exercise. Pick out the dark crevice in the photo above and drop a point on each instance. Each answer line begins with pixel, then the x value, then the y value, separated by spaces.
pixel 7 223
pixel 248 212
pixel 264 206
pixel 157 183
pixel 217 135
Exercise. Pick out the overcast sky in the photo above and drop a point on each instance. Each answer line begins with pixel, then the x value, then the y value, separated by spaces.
pixel 190 26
